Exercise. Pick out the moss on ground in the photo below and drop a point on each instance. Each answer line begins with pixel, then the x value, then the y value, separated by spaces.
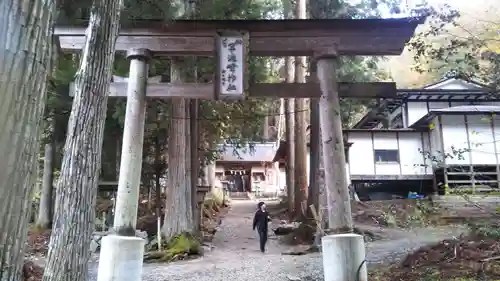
pixel 179 247
pixel 183 244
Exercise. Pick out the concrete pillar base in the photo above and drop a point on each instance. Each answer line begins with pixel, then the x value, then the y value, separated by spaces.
pixel 344 257
pixel 121 258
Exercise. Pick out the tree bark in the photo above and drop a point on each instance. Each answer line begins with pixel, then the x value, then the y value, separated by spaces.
pixel 290 123
pixel 178 210
pixel 290 142
pixel 76 191
pixel 25 29
pixel 109 154
pixel 158 174
pixel 300 173
pixel 317 192
pixel 279 125
pixel 187 153
pixel 314 152
pixel 195 162
pixel 300 178
pixel 44 218
pixel 46 205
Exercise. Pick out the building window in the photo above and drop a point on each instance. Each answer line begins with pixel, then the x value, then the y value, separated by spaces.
pixel 386 156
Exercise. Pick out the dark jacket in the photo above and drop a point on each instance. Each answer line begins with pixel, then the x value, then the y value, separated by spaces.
pixel 260 220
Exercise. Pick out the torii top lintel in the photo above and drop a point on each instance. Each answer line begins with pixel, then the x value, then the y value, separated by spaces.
pixel 367 37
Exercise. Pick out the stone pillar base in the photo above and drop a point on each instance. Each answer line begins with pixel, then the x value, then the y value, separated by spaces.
pixel 121 258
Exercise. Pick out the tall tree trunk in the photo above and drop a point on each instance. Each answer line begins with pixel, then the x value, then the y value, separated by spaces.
pixel 290 123
pixel 192 107
pixel 314 158
pixel 279 126
pixel 195 161
pixel 76 191
pixel 300 178
pixel 317 193
pixel 187 157
pixel 119 144
pixel 110 154
pixel 114 165
pixel 158 173
pixel 46 205
pixel 44 218
pixel 290 143
pixel 178 210
pixel 25 29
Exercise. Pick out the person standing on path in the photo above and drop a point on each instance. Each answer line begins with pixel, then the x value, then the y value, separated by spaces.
pixel 260 221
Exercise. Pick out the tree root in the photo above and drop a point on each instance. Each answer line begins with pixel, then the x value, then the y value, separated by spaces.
pixel 178 248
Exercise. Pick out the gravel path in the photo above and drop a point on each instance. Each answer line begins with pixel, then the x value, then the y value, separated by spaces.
pixel 236 256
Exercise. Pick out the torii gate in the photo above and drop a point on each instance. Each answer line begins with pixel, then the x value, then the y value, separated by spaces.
pixel 231 41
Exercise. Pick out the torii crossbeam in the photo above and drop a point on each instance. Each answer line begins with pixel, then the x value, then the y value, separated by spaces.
pixel 356 37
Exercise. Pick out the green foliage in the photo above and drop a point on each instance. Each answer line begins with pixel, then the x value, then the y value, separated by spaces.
pixel 237 122
pixel 451 44
pixel 352 9
pixel 234 9
pixel 389 220
pixel 486 230
pixel 358 69
pixel 231 123
pixel 425 207
pixel 354 69
pixel 431 275
pixel 469 191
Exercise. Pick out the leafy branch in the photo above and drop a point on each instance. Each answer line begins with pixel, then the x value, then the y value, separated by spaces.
pixel 449 44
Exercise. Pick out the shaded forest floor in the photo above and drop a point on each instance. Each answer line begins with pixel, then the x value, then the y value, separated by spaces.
pixel 473 255
pixel 460 256
pixel 469 257
pixel 38 240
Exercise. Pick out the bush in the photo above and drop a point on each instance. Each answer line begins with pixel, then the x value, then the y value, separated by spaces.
pixel 486 230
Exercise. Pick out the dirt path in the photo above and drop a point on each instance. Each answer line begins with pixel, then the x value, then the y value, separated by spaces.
pixel 236 256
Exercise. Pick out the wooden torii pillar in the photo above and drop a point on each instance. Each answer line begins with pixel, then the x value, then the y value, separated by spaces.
pixel 321 39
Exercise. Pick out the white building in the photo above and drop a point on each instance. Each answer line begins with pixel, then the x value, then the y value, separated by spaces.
pixel 443 134
pixel 447 131
pixel 246 169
